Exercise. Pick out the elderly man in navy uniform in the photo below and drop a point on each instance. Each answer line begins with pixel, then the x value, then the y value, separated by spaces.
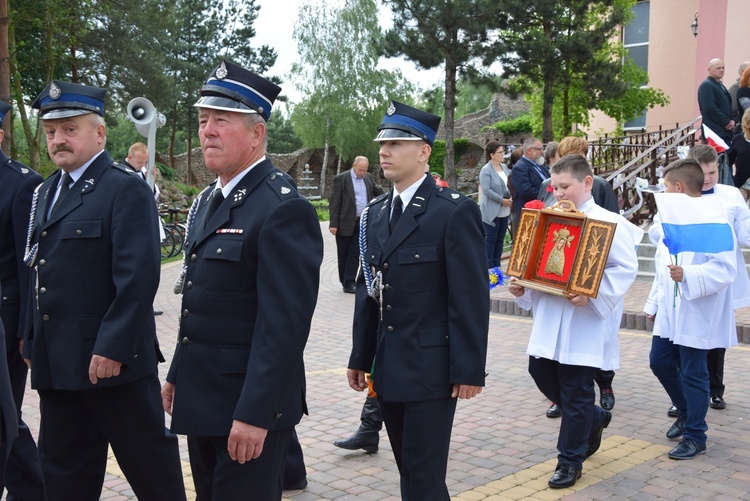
pixel 94 251
pixel 424 260
pixel 23 476
pixel 236 386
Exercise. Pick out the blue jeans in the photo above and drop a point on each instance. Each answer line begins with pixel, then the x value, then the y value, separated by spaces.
pixel 494 236
pixel 683 372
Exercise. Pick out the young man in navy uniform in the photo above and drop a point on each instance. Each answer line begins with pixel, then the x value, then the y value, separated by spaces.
pixel 93 352
pixel 23 476
pixel 236 386
pixel 425 261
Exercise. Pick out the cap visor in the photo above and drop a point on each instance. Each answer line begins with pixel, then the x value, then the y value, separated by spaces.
pixel 63 113
pixel 396 135
pixel 222 103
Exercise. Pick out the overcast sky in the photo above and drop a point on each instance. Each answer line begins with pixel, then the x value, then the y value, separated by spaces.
pixel 275 25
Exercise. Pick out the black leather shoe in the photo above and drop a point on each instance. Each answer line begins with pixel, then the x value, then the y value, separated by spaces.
pixel 607 399
pixel 565 476
pixel 350 287
pixel 676 430
pixel 687 449
pixel 553 411
pixel 595 439
pixel 296 486
pixel 716 402
pixel 673 412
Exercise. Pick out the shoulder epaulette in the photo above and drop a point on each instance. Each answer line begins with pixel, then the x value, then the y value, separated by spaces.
pixel 122 168
pixel 19 168
pixel 450 194
pixel 378 199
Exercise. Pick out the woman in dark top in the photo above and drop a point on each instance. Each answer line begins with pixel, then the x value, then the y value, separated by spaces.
pixel 743 98
pixel 739 153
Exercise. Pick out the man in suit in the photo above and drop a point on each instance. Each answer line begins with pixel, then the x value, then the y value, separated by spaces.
pixel 23 476
pixel 351 191
pixel 425 252
pixel 715 103
pixel 527 176
pixel 8 425
pixel 94 254
pixel 236 386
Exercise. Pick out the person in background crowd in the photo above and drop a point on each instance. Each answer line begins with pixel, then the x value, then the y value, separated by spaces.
pixel 495 203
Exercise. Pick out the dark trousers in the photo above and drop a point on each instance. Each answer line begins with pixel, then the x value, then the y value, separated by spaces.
pixel 572 387
pixel 218 477
pixel 683 373
pixel 716 371
pixel 604 379
pixel 420 435
pixel 77 426
pixel 23 474
pixel 494 237
pixel 294 468
pixel 347 248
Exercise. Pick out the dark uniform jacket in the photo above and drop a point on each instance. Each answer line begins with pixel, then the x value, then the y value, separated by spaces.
pixel 8 422
pixel 343 204
pixel 97 272
pixel 248 299
pixel 17 183
pixel 527 180
pixel 435 315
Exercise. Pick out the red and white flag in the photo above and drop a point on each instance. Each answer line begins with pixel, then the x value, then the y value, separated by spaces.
pixel 714 140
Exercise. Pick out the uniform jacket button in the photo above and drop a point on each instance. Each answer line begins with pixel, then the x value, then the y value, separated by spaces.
pixel 218 251
pixel 390 328
pixel 45 317
pixel 193 257
pixel 79 232
pixel 388 307
pixel 186 313
pixel 43 234
pixel 185 340
pixel 416 256
pixel 42 290
pixel 385 266
pixel 189 285
pixel 42 262
pixel 387 287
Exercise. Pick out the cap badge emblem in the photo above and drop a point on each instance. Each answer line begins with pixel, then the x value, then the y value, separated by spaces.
pixel 221 71
pixel 285 190
pixel 54 91
pixel 391 109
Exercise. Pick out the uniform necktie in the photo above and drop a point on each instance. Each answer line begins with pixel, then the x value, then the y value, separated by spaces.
pixel 396 214
pixel 64 188
pixel 214 204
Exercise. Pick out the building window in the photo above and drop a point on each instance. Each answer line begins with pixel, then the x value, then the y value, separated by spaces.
pixel 635 41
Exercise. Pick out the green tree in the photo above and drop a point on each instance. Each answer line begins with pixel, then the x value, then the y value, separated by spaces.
pixel 554 43
pixel 281 136
pixel 470 96
pixel 454 34
pixel 337 72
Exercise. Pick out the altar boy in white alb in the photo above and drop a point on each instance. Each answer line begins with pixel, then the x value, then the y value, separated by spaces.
pixel 691 299
pixel 573 337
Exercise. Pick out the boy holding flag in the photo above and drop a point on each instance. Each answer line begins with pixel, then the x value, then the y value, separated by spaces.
pixel 695 266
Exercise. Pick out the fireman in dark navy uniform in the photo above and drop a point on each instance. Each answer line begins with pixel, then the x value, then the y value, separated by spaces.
pixel 23 476
pixel 94 252
pixel 425 263
pixel 236 386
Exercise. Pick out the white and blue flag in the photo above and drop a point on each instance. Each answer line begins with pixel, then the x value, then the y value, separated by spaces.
pixel 694 224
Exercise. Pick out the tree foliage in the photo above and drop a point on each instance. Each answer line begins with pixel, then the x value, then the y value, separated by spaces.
pixel 454 34
pixel 162 50
pixel 566 51
pixel 345 92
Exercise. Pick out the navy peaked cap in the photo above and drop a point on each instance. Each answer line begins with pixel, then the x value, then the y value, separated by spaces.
pixel 233 88
pixel 404 123
pixel 65 99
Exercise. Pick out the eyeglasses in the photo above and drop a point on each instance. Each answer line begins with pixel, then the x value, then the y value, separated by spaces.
pixel 538 148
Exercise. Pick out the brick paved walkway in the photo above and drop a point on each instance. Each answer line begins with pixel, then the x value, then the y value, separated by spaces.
pixel 503 447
